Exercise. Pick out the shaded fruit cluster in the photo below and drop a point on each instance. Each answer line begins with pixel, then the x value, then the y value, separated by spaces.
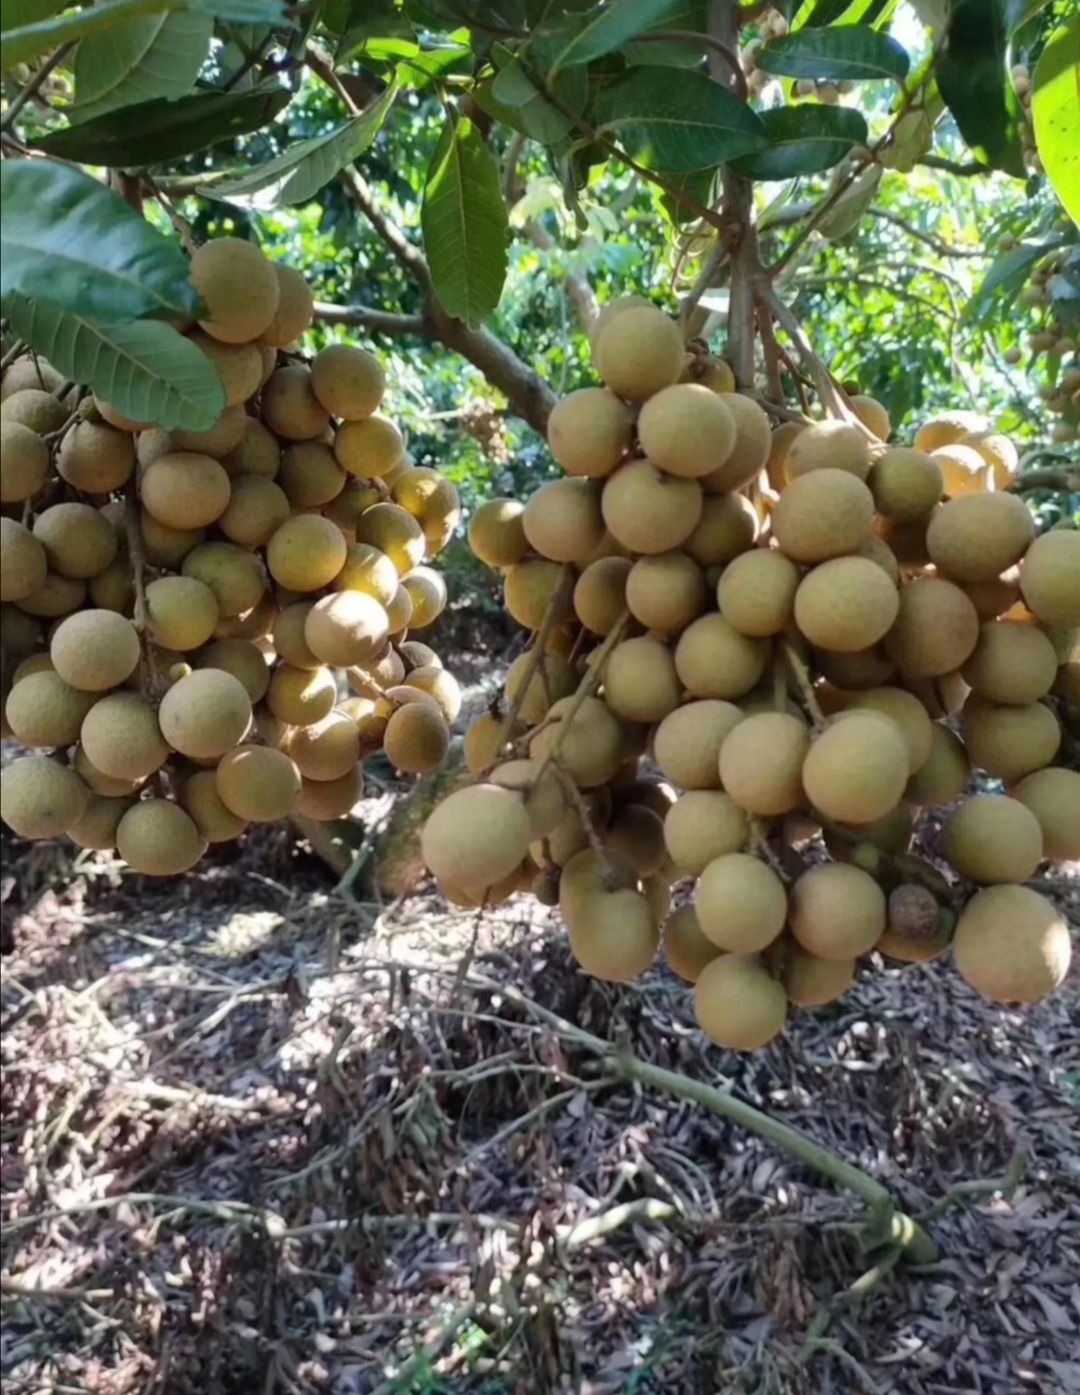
pixel 754 647
pixel 209 629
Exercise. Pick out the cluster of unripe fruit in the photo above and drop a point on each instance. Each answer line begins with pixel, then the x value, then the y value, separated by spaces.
pixel 210 629
pixel 748 638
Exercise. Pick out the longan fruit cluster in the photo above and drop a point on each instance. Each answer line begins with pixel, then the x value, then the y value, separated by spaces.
pixel 209 629
pixel 758 654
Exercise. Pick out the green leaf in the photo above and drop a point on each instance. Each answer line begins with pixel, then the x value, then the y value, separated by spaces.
pixel 367 18
pixel 16 13
pixel 1055 109
pixel 464 223
pixel 576 40
pixel 526 108
pixel 298 174
pixel 689 124
pixel 66 237
pixel 850 52
pixel 146 370
pixel 972 74
pixel 849 209
pixel 688 16
pixel 153 133
pixel 156 56
pixel 804 139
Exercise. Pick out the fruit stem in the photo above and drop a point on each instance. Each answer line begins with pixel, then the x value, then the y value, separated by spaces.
pixel 801 675
pixel 588 685
pixel 137 557
pixel 581 808
pixel 552 615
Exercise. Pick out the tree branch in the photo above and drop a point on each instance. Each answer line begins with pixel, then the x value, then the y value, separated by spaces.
pixel 939 162
pixel 363 317
pixel 943 249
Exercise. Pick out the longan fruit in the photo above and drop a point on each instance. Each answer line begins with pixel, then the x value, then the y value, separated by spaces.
pixel 1050 578
pixel 1011 663
pixel 97 781
pixel 589 431
pixel 294 311
pixel 23 565
pixel 95 459
pixel 713 660
pixel 857 768
pixel 992 838
pixel 95 650
pixel 205 714
pixel 120 737
pixel 1053 796
pixel 482 746
pixel 43 710
pixel 529 588
pixel 686 950
pixel 233 574
pixel 41 798
pixel 324 800
pixel 181 612
pixel 935 630
pixel 346 628
pixel 823 514
pixel 427 591
pixel 310 475
pixel 727 528
pixel 369 448
pixel 686 430
pixel 829 445
pixel 290 407
pixel 590 751
pixel 257 453
pixel 872 414
pixel 837 911
pixel 497 533
pixel 810 981
pixel 600 593
pixel 395 532
pixel 164 546
pixel 96 827
pixel 615 937
pixel 741 903
pixel 434 680
pixel 476 835
pixel 749 454
pixel 640 682
pixel 367 569
pixel 1009 742
pixel 702 825
pixel 326 750
pixel 666 591
pixel 756 592
pixel 739 1004
pixel 184 490
pixel 430 497
pixel 1011 944
pixel 551 680
pixel 238 366
pixel 29 371
pixel 242 659
pixel 38 411
pixel 686 744
pixel 846 604
pixel 399 612
pixel 300 696
pixel 258 784
pixel 348 381
pixel 638 351
pixel 906 711
pixel 647 510
pixel 978 536
pixel 78 541
pixel 24 462
pixel 761 762
pixel 217 440
pixel 905 483
pixel 562 520
pixel 416 738
pixel 200 800
pixel 306 553
pixel 256 510
pixel 947 428
pixel 945 773
pixel 238 286
pixel 998 452
pixel 56 596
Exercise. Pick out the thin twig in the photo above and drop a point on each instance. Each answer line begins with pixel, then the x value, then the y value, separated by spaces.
pixel 33 86
pixel 801 674
pixel 585 689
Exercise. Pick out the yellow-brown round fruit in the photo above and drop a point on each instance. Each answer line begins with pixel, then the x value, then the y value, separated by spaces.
pixel 615 938
pixel 434 680
pixel 589 432
pixel 562 520
pixel 497 533
pixel 97 781
pixel 256 509
pixel 326 750
pixel 872 415
pixel 727 527
pixel 837 911
pixel 609 311
pixel 590 750
pixel 29 371
pixel 482 742
pixel 24 461
pixel 238 366
pixel 891 834
pixel 686 950
pixel 121 737
pixel 288 636
pixel 56 596
pixel 686 430
pixel 876 550
pixel 200 799
pixel 346 628
pixel 905 483
pixel 43 710
pixel 369 448
pixel 324 800
pixel 1012 662
pixel 431 499
pixel 713 660
pixel 687 743
pixel 78 541
pixel 166 547
pixel 945 773
pixel 95 650
pixel 238 286
pixel 476 836
pixel 529 588
pixel 947 428
pixel 184 490
pixel 935 630
pixel 96 827
pixel 756 592
pixel 824 514
pixel 636 833
pixel 906 711
pixel 991 838
pixel 426 590
pixel 1053 796
pixel 846 604
pixel 666 591
pixel 301 696
pixel 714 373
pixel 233 574
pixel 23 565
pixel 348 381
pixel 811 981
pixel 856 770
pixel 258 452
pixel 1050 578
pixel 648 511
pixel 638 351
pixel 1010 742
pixel 703 825
pixel 257 783
pixel 739 1004
pixel 1011 944
pixel 393 530
pixel 158 839
pixel 552 679
pixel 369 570
pixel 545 802
pixel 221 438
pixel 38 411
pixel 998 452
pixel 741 903
pixel 749 454
pixel 244 660
pixel 290 407
pixel 916 927
pixel 963 470
pixel 94 459
pixel 761 763
pixel 994 597
pixel 306 553
pixel 779 444
pixel 600 593
pixel 829 445
pixel 294 312
pixel 41 798
pixel 181 612
pixel 205 714
pixel 310 475
pixel 978 536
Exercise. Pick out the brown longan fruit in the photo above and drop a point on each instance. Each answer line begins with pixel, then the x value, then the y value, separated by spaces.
pixel 615 937
pixel 857 768
pixel 290 407
pixel 589 431
pixel 181 612
pixel 640 682
pixel 326 750
pixel 346 628
pixel 287 636
pixel 545 802
pixel 1053 796
pixel 837 911
pixel 24 462
pixel 482 742
pixel 753 442
pixel 1050 578
pixel 324 800
pixel 97 781
pixel 591 749
pixel 686 744
pixel 872 414
pixel 823 514
pixel 23 565
pixel 600 593
pixel 205 714
pixel 1011 944
pixel 96 459
pixel 257 508
pixel 638 351
pixel 739 1004
pixel 306 553
pixel 994 597
pixel 686 430
pixel 998 452
pixel 727 528
pixel 120 737
pixel 301 696
pixel 257 453
pixel 163 546
pixel 947 428
pixel 238 366
pixel 810 981
pixel 233 574
pixel 756 592
pixel 399 612
pixel 427 591
pixel 846 604
pixel 38 411
pixel 238 286
pixel 741 903
pixel 562 520
pixel 686 950
pixel 497 533
pixel 991 838
pixel 978 536
pixel 905 483
pixel 476 835
pixel 552 679
pixel 647 510
pixel 56 596
pixel 666 591
pixel 243 660
pixel 829 445
pixel 348 381
pixel 394 531
pixel 41 798
pixel 78 541
pixel 367 569
pixel 945 773
pixel 29 371
pixel 702 825
pixel 200 800
pixel 310 475
pixel 637 834
pixel 529 589
pixel 1012 663
pixel 43 710
pixel 217 440
pixel 185 490
pixel 431 498
pixel 906 711
pixel 369 449
pixel 713 660
pixel 936 628
pixel 95 650
pixel 295 308
pixel 96 827
pixel 761 763
pixel 257 783
pixel 1010 742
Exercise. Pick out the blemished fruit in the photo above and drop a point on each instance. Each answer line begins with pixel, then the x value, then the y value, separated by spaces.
pixel 917 927
pixel 95 650
pixel 829 445
pixel 837 911
pixel 846 604
pixel 761 763
pixel 158 839
pixel 992 838
pixel 687 743
pixel 687 430
pixel 1050 578
pixel 739 1004
pixel 1011 944
pixel 40 797
pixel 702 825
pixel 589 432
pixel 1053 796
